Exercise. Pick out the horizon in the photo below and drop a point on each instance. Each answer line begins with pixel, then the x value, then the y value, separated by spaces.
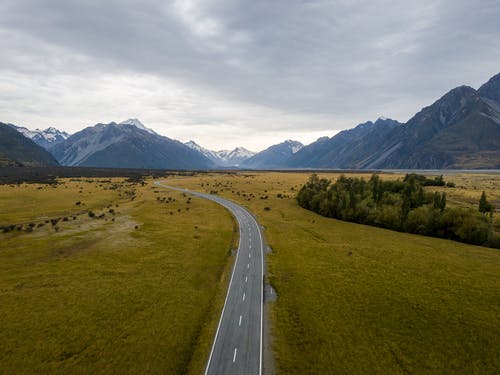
pixel 237 75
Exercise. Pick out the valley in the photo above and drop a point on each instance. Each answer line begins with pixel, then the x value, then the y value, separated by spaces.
pixel 350 298
pixel 250 187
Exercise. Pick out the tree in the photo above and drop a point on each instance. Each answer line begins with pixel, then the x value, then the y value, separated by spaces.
pixel 484 205
pixel 442 202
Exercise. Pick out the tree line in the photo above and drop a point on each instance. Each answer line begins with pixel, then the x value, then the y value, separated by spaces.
pixel 402 205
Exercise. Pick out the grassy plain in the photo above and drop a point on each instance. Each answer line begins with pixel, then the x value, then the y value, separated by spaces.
pixel 138 290
pixel 358 299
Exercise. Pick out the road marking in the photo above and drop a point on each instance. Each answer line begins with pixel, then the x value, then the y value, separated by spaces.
pixel 234 355
pixel 261 291
pixel 243 296
pixel 248 265
pixel 237 210
pixel 239 323
pixel 249 255
pixel 246 278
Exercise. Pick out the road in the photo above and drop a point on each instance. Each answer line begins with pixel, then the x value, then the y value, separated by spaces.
pixel 237 346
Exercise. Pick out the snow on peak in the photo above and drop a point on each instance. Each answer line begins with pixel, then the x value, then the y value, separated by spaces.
pixel 135 122
pixel 45 137
pixel 242 152
pixel 294 146
pixel 195 146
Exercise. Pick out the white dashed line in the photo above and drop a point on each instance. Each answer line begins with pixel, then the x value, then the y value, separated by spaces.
pixel 244 295
pixel 234 355
pixel 246 278
pixel 239 323
pixel 248 265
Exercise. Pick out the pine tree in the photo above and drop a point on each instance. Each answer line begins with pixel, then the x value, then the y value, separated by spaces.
pixel 442 203
pixel 484 205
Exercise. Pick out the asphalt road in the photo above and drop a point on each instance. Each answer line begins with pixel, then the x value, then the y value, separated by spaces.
pixel 237 346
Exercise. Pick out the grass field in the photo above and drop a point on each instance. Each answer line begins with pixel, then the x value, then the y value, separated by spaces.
pixel 358 299
pixel 138 290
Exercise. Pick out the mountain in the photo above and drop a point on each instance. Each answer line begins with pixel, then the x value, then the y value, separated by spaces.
pixel 212 155
pixel 274 156
pixel 491 89
pixel 16 149
pixel 223 158
pixel 46 138
pixel 340 150
pixel 234 157
pixel 126 146
pixel 135 122
pixel 461 130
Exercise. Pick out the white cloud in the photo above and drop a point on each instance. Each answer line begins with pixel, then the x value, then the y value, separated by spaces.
pixel 238 73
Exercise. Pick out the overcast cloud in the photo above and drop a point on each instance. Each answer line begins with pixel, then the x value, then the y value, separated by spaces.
pixel 229 73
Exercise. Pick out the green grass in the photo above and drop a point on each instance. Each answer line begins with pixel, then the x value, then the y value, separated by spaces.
pixel 358 299
pixel 100 296
pixel 34 202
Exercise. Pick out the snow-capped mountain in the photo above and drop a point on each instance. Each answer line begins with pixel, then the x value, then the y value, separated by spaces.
pixel 223 158
pixel 46 138
pixel 135 122
pixel 126 146
pixel 212 155
pixel 235 157
pixel 18 150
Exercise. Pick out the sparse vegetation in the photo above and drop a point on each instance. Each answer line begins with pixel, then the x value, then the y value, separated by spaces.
pixel 351 298
pixel 97 296
pixel 359 299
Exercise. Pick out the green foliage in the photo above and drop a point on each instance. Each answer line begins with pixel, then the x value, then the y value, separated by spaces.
pixel 484 205
pixel 397 205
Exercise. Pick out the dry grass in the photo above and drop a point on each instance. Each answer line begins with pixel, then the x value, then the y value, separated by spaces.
pixel 137 291
pixel 358 299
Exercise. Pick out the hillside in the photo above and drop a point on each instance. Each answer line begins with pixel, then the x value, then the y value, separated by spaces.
pixel 46 138
pixel 274 156
pixel 348 145
pixel 461 130
pixel 16 149
pixel 126 146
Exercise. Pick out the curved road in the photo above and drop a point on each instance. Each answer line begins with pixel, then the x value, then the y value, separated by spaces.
pixel 237 346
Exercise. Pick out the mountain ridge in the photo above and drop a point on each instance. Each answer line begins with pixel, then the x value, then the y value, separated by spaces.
pixel 126 146
pixel 459 130
pixel 223 158
pixel 18 150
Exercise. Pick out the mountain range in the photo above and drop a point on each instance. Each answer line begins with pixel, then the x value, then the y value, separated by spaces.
pixel 128 144
pixel 18 150
pixel 223 158
pixel 45 138
pixel 461 130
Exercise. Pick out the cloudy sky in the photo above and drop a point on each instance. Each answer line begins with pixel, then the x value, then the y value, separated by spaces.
pixel 228 73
